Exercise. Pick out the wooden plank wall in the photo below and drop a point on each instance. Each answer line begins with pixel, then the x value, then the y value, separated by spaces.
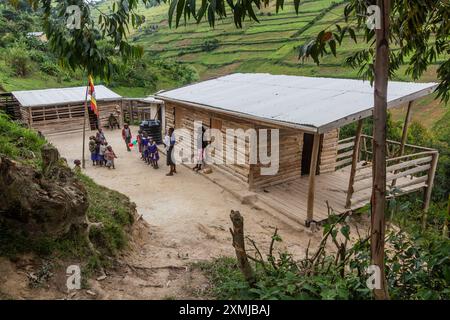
pixel 186 117
pixel 290 146
pixel 328 151
pixel 65 118
pixel 105 109
pixel 290 159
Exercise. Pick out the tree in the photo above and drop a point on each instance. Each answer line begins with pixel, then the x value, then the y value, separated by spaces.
pixel 420 31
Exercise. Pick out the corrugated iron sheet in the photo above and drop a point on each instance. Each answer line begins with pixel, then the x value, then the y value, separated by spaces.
pixel 308 101
pixel 60 96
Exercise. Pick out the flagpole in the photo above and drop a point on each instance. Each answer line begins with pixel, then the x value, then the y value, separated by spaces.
pixel 83 162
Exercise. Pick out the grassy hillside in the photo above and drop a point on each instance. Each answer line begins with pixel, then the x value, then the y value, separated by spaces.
pixel 176 56
pixel 268 46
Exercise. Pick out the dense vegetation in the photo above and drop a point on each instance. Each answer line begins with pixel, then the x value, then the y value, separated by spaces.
pixel 417 267
pixel 26 62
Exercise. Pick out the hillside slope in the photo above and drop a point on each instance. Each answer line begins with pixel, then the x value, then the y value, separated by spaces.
pixel 268 46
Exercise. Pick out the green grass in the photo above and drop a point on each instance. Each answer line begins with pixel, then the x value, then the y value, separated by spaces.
pixel 19 143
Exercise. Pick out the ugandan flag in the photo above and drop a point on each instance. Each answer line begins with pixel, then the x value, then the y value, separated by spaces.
pixel 92 94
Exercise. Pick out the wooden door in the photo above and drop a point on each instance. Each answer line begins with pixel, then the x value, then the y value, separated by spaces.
pixel 178 118
pixel 216 123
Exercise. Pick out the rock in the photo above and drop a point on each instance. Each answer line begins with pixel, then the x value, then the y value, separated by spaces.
pixel 101 278
pixel 207 170
pixel 249 198
pixel 91 293
pixel 38 203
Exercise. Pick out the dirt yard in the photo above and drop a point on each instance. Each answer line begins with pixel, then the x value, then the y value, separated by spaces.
pixel 188 218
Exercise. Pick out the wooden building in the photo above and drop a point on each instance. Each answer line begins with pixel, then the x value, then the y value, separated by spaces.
pixel 62 109
pixel 308 113
pixel 136 110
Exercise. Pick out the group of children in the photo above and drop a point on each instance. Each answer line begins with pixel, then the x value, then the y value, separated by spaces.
pixel 148 149
pixel 102 154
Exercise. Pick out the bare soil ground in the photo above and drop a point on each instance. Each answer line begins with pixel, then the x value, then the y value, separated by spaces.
pixel 185 219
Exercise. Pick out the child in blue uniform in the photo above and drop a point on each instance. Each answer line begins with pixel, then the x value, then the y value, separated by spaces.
pixel 153 154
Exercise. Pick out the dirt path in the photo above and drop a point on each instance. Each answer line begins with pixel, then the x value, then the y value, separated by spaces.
pixel 189 221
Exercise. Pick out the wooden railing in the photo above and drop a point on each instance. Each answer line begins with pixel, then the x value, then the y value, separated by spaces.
pixel 407 172
pixel 344 152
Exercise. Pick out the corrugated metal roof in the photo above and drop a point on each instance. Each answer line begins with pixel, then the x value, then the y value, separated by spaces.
pixel 152 99
pixel 313 102
pixel 61 96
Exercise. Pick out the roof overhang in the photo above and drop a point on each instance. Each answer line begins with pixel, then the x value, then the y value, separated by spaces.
pixel 314 105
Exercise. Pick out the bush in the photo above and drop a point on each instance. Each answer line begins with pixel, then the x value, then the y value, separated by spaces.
pixel 19 60
pixel 417 267
pixel 50 68
pixel 210 45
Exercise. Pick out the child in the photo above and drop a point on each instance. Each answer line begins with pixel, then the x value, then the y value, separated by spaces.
pixel 101 153
pixel 145 143
pixel 139 140
pixel 153 154
pixel 110 156
pixel 77 167
pixel 100 135
pixel 97 152
pixel 92 145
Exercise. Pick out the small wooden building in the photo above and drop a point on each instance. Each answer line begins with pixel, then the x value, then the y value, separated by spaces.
pixel 308 113
pixel 62 109
pixel 136 110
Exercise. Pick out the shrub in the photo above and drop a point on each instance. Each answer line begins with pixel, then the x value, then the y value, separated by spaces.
pixel 417 267
pixel 210 45
pixel 19 60
pixel 50 68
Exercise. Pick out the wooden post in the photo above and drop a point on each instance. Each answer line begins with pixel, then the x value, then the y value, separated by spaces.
pixel 355 158
pixel 447 219
pixel 83 161
pixel 312 178
pixel 404 134
pixel 239 246
pixel 378 223
pixel 30 119
pixel 429 188
pixel 122 114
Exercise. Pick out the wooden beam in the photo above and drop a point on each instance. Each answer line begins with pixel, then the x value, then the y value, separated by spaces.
pixel 312 178
pixel 405 127
pixel 429 188
pixel 355 158
pixel 404 133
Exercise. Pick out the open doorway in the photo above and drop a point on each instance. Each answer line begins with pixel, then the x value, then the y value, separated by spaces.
pixel 308 141
pixel 93 119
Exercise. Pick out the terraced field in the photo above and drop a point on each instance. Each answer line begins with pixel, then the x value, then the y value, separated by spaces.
pixel 267 46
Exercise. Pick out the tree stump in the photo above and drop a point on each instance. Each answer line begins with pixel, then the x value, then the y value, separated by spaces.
pixel 239 247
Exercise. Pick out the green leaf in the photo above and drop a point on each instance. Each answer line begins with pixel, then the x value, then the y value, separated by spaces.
pixel 172 7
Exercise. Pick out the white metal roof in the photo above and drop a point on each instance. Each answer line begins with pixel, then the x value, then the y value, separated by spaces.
pixel 152 99
pixel 60 96
pixel 314 104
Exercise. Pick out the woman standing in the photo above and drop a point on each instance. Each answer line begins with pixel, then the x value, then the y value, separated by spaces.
pixel 126 135
pixel 169 142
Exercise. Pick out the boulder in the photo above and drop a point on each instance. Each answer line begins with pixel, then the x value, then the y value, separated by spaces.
pixel 46 203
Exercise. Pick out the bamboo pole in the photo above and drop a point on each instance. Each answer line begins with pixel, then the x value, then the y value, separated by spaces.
pixel 312 178
pixel 83 161
pixel 355 158
pixel 404 133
